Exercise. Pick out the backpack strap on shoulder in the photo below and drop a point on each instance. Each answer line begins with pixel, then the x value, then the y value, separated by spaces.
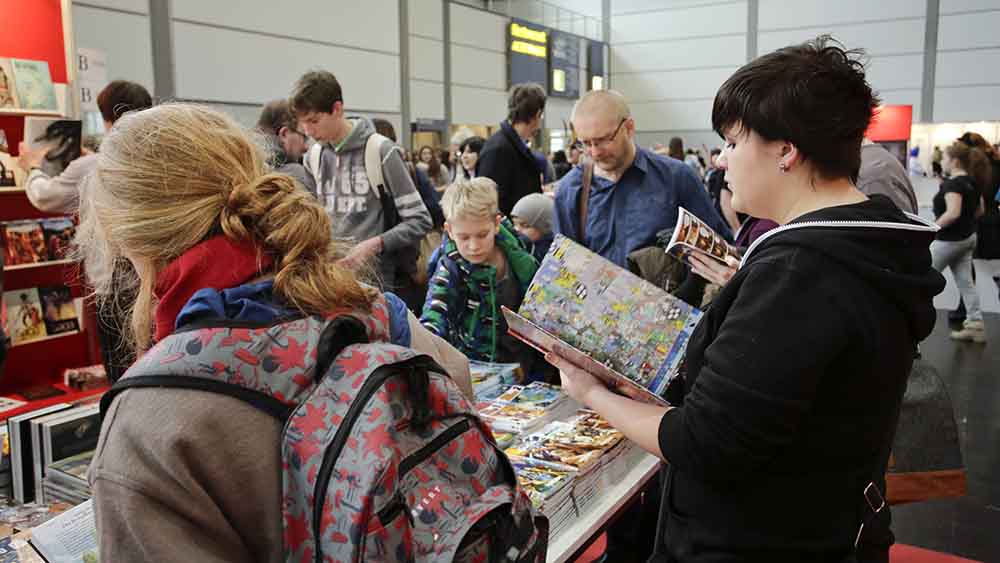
pixel 373 161
pixel 312 161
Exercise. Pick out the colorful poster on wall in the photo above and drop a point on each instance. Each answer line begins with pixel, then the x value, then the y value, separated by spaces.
pixel 34 85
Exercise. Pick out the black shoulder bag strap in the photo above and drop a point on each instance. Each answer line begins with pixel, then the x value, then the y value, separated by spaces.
pixel 583 199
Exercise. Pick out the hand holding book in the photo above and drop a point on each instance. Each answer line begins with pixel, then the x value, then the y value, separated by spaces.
pixel 713 270
pixel 576 382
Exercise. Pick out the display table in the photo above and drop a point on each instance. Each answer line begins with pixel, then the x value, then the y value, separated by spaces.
pixel 595 518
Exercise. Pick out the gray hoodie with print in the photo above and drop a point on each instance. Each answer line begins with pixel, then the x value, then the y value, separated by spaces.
pixel 353 203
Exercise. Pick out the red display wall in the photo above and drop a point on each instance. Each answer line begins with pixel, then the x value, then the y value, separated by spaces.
pixel 31 29
pixel 891 123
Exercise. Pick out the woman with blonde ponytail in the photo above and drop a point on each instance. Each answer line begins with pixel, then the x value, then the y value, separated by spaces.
pixel 217 239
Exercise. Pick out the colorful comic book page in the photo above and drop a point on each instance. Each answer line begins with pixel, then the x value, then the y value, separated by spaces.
pixel 694 236
pixel 24 243
pixel 539 394
pixel 622 322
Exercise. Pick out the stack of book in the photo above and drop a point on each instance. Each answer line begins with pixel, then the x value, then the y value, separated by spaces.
pixel 490 380
pixel 524 408
pixel 550 490
pixel 43 439
pixel 66 480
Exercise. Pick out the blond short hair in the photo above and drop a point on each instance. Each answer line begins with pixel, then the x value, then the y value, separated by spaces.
pixel 172 176
pixel 475 198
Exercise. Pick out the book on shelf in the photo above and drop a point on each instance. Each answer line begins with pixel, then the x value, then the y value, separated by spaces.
pixel 694 236
pixel 606 320
pixel 70 537
pixel 24 242
pixel 490 379
pixel 21 454
pixel 61 435
pixel 25 322
pixel 8 93
pixel 33 85
pixel 59 232
pixel 59 310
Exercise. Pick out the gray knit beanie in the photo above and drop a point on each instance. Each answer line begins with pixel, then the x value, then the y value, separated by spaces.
pixel 536 210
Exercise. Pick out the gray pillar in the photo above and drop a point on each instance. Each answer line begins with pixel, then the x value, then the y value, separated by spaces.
pixel 446 43
pixel 753 9
pixel 930 60
pixel 162 35
pixel 404 73
pixel 606 37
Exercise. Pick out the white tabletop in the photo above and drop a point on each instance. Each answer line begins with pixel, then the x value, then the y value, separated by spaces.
pixel 612 498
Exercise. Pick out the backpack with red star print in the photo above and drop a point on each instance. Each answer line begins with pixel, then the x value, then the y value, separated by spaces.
pixel 383 457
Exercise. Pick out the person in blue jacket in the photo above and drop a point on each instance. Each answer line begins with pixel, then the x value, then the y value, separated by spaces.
pixel 634 193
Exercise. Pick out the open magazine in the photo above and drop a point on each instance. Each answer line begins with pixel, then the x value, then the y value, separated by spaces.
pixel 619 327
pixel 70 537
pixel 694 236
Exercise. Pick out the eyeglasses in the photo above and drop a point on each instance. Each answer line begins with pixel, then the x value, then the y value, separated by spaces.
pixel 603 141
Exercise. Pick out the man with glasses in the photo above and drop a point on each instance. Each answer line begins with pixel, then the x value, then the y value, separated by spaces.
pixel 632 194
pixel 506 158
pixel 286 141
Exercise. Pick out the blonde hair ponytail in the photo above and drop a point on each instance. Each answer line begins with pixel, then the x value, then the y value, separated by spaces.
pixel 172 176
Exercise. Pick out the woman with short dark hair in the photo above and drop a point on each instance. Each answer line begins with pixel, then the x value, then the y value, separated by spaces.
pixel 779 430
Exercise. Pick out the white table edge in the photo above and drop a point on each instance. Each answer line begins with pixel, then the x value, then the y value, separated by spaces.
pixel 570 540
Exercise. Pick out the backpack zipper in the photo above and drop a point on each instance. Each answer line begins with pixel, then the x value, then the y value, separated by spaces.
pixel 371 385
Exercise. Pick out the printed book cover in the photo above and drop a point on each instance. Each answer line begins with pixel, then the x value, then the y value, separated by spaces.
pixel 8 97
pixel 24 243
pixel 62 139
pixel 59 310
pixel 33 84
pixel 71 435
pixel 694 236
pixel 58 236
pixel 24 316
pixel 540 483
pixel 621 328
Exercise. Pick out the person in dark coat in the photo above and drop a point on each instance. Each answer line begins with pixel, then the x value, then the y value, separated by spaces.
pixel 506 157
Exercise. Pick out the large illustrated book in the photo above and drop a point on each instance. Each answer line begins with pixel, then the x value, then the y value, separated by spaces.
pixel 607 320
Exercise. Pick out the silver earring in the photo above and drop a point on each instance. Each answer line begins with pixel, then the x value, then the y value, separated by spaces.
pixel 783 167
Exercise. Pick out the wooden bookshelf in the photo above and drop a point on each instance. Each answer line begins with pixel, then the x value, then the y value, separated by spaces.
pixel 45 264
pixel 27 112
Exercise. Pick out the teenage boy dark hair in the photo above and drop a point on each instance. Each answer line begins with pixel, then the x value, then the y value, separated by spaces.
pixel 316 91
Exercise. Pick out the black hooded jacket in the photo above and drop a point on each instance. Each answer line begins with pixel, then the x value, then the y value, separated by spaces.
pixel 793 384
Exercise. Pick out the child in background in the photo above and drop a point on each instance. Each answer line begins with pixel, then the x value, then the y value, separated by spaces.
pixel 482 267
pixel 532 216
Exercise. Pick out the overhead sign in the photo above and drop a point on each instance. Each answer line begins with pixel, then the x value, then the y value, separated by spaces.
pixel 564 61
pixel 528 54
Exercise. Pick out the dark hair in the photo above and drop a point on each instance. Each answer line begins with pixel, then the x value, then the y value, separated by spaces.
pixel 315 91
pixel 475 143
pixel 559 157
pixel 274 116
pixel 812 95
pixel 434 166
pixel 676 148
pixel 973 160
pixel 122 96
pixel 384 128
pixel 524 102
pixel 715 152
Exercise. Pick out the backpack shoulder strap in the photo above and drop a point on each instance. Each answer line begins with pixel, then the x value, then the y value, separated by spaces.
pixel 200 360
pixel 313 159
pixel 373 160
pixel 583 200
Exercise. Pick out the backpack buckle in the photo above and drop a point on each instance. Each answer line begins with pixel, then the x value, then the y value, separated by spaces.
pixel 873 496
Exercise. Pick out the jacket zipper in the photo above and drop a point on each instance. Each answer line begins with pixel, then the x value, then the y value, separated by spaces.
pixel 371 385
pixel 924 226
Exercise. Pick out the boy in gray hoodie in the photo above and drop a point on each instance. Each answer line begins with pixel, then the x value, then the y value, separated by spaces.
pixel 360 217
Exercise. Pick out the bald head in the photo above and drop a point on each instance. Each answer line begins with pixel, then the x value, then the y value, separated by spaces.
pixel 604 104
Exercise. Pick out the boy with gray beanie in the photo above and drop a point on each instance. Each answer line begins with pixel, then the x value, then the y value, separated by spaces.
pixel 532 217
